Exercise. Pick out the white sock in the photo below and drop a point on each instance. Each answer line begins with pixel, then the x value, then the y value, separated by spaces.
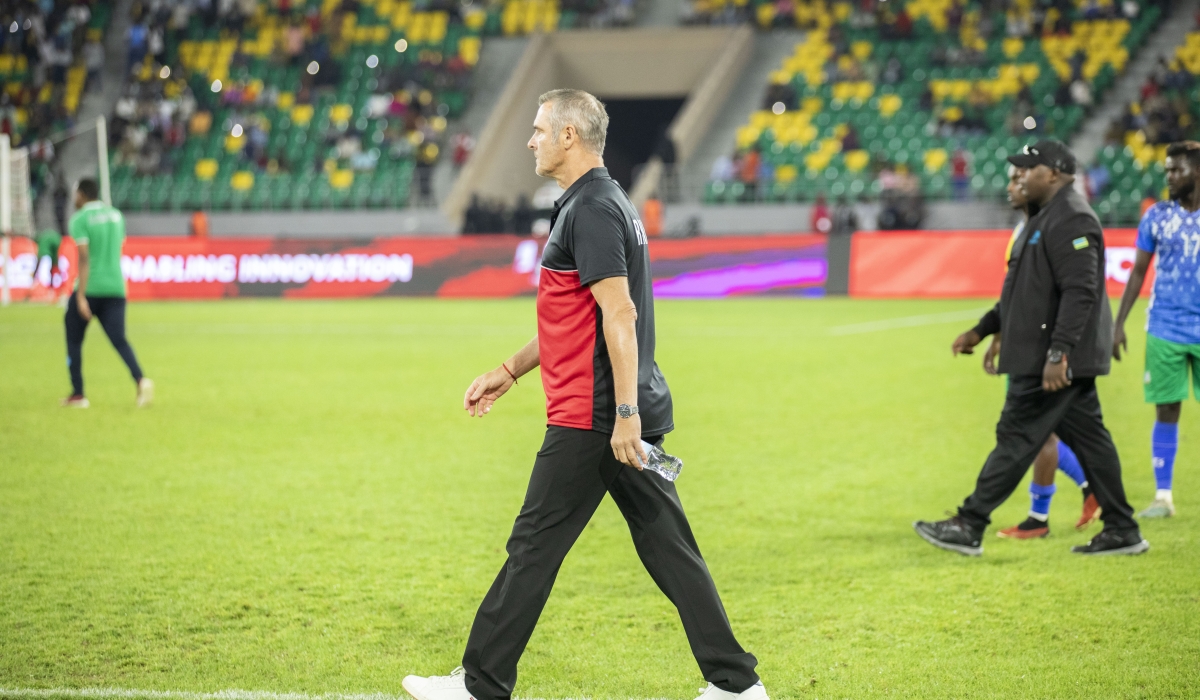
pixel 1163 495
pixel 1039 516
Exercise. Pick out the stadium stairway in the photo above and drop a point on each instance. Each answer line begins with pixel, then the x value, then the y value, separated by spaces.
pixel 498 59
pixel 1170 34
pixel 769 50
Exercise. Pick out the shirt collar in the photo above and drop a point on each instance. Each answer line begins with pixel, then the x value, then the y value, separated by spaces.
pixel 593 174
pixel 92 204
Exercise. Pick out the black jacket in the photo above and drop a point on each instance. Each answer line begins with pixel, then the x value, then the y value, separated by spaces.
pixel 1054 294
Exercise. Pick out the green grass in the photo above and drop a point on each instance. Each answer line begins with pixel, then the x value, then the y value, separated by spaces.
pixel 306 508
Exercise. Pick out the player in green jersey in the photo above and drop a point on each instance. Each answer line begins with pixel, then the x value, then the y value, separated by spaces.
pixel 99 231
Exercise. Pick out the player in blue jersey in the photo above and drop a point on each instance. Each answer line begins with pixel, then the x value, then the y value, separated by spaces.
pixel 1170 230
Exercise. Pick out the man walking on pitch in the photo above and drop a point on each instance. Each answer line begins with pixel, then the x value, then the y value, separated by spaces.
pixel 1057 327
pixel 604 395
pixel 99 232
pixel 1054 454
pixel 1171 230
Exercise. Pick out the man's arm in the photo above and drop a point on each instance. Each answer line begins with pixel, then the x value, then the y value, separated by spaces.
pixel 81 293
pixel 1133 288
pixel 620 333
pixel 490 386
pixel 989 324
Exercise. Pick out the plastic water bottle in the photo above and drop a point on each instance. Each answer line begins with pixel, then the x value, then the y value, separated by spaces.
pixel 665 465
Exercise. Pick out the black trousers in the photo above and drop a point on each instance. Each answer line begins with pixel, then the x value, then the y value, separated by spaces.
pixel 573 471
pixel 110 312
pixel 1028 418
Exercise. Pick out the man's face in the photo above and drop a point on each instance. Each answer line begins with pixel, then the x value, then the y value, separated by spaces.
pixel 1036 182
pixel 79 200
pixel 1016 198
pixel 1181 177
pixel 548 152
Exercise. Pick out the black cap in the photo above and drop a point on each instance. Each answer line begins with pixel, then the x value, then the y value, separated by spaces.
pixel 1051 153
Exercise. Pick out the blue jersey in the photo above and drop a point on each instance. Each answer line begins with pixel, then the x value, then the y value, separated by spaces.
pixel 1173 234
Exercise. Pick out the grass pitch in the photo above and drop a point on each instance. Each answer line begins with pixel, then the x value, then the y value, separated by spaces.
pixel 306 508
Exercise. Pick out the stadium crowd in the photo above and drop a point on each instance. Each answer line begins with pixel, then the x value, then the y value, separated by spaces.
pixel 50 53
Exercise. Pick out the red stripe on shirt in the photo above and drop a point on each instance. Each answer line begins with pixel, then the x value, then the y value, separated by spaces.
pixel 566 314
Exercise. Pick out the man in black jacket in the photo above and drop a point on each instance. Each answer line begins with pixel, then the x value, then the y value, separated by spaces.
pixel 1057 327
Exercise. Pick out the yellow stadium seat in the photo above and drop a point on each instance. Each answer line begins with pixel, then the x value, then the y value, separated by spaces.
pixel 935 160
pixel 341 179
pixel 857 161
pixel 242 180
pixel 302 114
pixel 206 169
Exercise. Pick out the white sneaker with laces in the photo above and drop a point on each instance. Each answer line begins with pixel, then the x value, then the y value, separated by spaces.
pixel 451 687
pixel 754 692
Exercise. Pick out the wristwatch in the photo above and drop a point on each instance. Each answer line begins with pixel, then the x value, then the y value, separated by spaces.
pixel 1054 356
pixel 626 411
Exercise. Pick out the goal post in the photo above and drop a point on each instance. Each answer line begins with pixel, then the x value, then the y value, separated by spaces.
pixel 16 210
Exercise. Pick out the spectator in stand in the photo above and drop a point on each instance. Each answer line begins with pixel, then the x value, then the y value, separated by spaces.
pixel 462 144
pixel 845 217
pixel 820 221
pixel 850 140
pixel 960 173
pixel 93 61
pixel 722 169
pixel 748 169
pixel 137 38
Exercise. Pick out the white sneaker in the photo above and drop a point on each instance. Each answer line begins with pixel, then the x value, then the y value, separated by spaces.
pixel 451 687
pixel 754 692
pixel 145 393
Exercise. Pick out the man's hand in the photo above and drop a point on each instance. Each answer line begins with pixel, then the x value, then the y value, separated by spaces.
pixel 627 441
pixel 990 355
pixel 1054 376
pixel 966 343
pixel 484 391
pixel 1120 342
pixel 85 309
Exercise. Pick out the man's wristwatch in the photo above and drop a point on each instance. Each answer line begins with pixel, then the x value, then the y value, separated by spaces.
pixel 626 411
pixel 1054 356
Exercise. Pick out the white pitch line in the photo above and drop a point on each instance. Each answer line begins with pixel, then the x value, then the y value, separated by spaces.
pixel 888 324
pixel 106 693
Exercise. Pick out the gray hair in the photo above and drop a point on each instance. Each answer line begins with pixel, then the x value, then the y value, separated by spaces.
pixel 581 110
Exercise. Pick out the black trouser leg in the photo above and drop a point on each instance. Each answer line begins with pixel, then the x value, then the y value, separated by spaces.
pixel 76 327
pixel 564 490
pixel 1028 418
pixel 1082 429
pixel 669 552
pixel 110 312
pixel 573 470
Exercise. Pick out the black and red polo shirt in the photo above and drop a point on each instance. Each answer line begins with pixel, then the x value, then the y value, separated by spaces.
pixel 595 234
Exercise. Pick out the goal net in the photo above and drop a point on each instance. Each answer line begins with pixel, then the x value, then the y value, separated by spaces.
pixel 18 253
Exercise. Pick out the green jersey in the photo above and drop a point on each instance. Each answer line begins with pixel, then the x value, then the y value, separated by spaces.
pixel 102 228
pixel 47 243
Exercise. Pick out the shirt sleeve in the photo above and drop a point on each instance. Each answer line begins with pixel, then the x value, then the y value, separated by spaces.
pixel 1145 235
pixel 598 237
pixel 1074 252
pixel 78 229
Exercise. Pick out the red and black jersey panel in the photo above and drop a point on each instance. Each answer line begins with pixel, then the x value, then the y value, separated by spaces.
pixel 594 235
pixel 567 331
